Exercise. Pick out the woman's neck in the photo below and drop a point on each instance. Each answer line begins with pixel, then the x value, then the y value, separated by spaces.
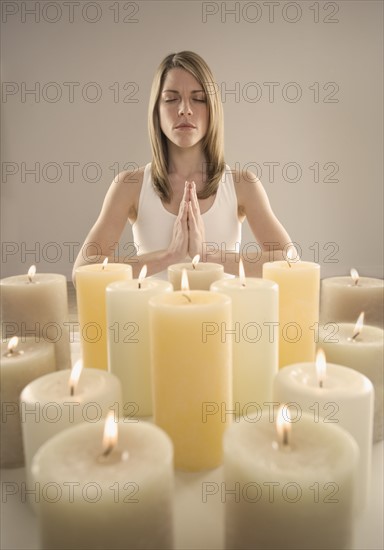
pixel 186 163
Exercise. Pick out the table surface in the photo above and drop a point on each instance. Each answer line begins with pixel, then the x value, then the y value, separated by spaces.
pixel 197 524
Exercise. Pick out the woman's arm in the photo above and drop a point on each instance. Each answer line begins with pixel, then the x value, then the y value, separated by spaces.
pixel 120 205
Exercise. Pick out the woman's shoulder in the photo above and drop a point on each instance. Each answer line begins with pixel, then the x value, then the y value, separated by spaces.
pixel 132 177
pixel 242 176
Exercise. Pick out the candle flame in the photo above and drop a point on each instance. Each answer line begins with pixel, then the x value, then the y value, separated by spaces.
pixel 355 276
pixel 142 274
pixel 283 425
pixel 292 255
pixel 110 434
pixel 359 326
pixel 104 264
pixel 12 344
pixel 31 273
pixel 195 260
pixel 241 273
pixel 184 280
pixel 75 375
pixel 321 367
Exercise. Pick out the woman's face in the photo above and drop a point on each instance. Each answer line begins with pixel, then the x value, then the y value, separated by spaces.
pixel 183 109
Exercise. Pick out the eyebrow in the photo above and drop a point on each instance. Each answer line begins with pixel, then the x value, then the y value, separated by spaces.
pixel 177 92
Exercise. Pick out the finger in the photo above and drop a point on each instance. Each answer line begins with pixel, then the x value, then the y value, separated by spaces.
pixel 191 215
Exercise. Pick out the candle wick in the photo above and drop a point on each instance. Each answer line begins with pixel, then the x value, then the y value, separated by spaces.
pixel 243 284
pixel 187 297
pixel 321 384
pixel 72 390
pixel 355 335
pixel 108 450
pixel 193 265
pixel 139 284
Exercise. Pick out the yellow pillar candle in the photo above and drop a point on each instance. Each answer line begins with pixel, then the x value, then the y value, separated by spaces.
pixel 255 309
pixel 128 340
pixel 200 275
pixel 192 374
pixel 36 305
pixel 91 283
pixel 299 289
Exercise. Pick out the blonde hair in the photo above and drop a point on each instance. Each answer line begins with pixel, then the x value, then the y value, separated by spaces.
pixel 213 141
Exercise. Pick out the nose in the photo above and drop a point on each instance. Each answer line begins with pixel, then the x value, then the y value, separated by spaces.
pixel 185 108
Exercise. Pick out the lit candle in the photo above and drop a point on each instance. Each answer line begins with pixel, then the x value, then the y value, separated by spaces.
pixel 299 284
pixel 112 495
pixel 91 282
pixel 343 298
pixel 333 394
pixel 361 348
pixel 62 399
pixel 22 360
pixel 255 309
pixel 200 274
pixel 128 339
pixel 192 373
pixel 294 490
pixel 36 305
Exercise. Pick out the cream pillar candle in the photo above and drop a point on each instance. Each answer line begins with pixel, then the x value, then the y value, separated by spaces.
pixel 296 494
pixel 360 349
pixel 54 402
pixel 192 374
pixel 200 275
pixel 128 340
pixel 339 395
pixel 299 284
pixel 22 360
pixel 255 309
pixel 37 305
pixel 108 499
pixel 91 282
pixel 343 298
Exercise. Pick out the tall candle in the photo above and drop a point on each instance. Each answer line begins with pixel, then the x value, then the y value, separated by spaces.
pixel 254 339
pixel 109 499
pixel 200 275
pixel 299 285
pixel 128 340
pixel 53 403
pixel 37 305
pixel 340 396
pixel 362 350
pixel 91 282
pixel 295 494
pixel 343 298
pixel 22 361
pixel 192 374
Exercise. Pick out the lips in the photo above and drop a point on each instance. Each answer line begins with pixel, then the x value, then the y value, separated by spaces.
pixel 185 125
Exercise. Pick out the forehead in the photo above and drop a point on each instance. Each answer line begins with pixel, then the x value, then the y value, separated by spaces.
pixel 178 78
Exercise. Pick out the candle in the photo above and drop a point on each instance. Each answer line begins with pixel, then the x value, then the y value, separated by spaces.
pixel 62 399
pixel 299 284
pixel 200 275
pixel 37 305
pixel 254 339
pixel 335 395
pixel 359 348
pixel 22 360
pixel 110 496
pixel 192 374
pixel 128 339
pixel 293 490
pixel 91 282
pixel 343 298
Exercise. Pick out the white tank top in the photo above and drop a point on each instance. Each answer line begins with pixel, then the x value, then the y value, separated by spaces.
pixel 153 227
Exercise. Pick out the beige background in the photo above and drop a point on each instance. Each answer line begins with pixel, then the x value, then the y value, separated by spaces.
pixel 320 121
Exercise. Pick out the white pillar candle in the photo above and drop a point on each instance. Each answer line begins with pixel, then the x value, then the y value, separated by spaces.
pixel 37 305
pixel 299 286
pixel 200 275
pixel 293 495
pixel 364 353
pixel 340 396
pixel 255 310
pixel 91 282
pixel 120 500
pixel 192 374
pixel 20 364
pixel 47 405
pixel 343 298
pixel 128 340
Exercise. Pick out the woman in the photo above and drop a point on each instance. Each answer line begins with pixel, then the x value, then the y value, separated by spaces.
pixel 187 201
